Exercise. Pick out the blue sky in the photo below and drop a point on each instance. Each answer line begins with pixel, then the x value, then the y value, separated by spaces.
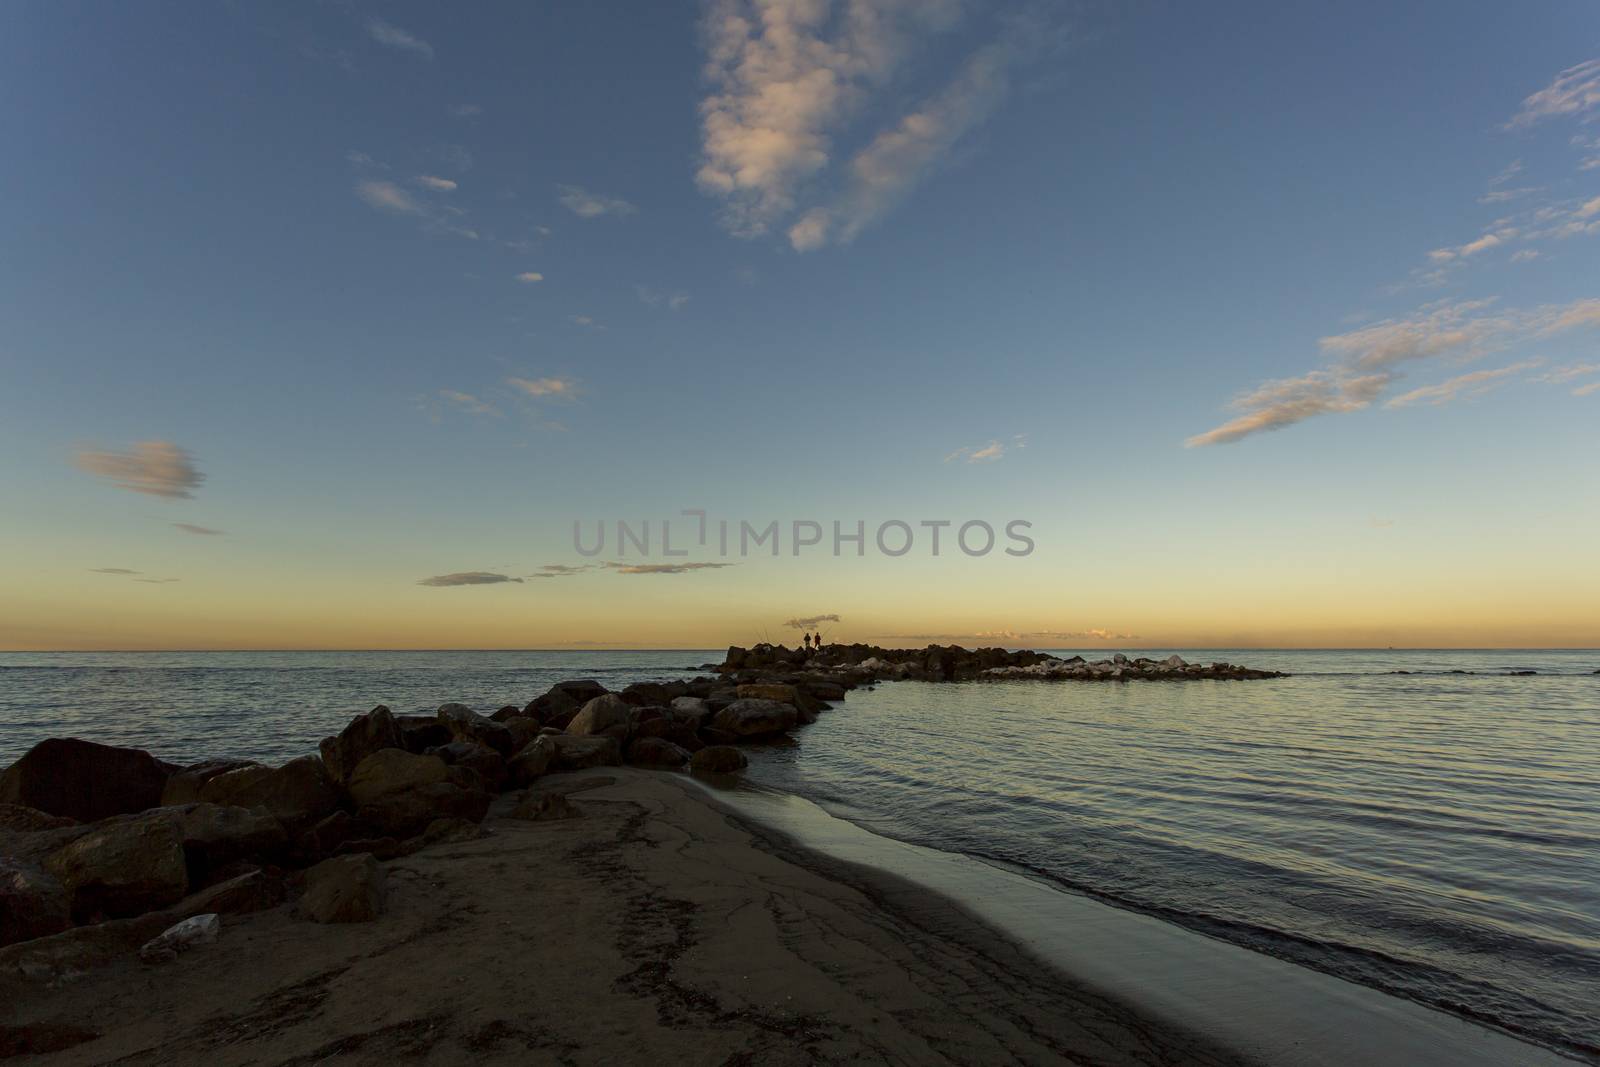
pixel 414 288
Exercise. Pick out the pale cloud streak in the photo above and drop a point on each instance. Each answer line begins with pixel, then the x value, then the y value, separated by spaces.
pixel 788 77
pixel 1574 93
pixel 554 388
pixel 995 449
pixel 444 581
pixel 657 298
pixel 392 36
pixel 387 196
pixel 663 568
pixel 587 205
pixel 200 531
pixel 441 185
pixel 468 403
pixel 530 276
pixel 1463 385
pixel 155 468
pixel 810 621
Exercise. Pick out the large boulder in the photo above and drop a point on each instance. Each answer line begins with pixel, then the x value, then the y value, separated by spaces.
pixel 392 770
pixel 749 717
pixel 123 866
pixel 523 730
pixel 33 903
pixel 185 785
pixel 409 812
pixel 555 708
pixel 214 835
pixel 582 690
pixel 691 711
pixel 718 759
pixel 364 735
pixel 606 715
pixel 572 752
pixel 644 694
pixel 345 889
pixel 804 703
pixel 298 794
pixel 533 761
pixel 488 764
pixel 656 752
pixel 20 819
pixel 465 724
pixel 84 781
pixel 418 733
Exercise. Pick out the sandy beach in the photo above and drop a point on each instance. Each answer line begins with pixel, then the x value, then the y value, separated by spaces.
pixel 654 927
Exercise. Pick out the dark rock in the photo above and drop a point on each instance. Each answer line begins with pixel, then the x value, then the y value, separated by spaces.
pixel 656 752
pixel 184 786
pixel 214 835
pixel 755 718
pixel 643 694
pixel 523 731
pixel 123 866
pixel 409 812
pixel 345 889
pixel 555 708
pixel 299 794
pixel 583 690
pixel 392 770
pixel 84 781
pixel 489 765
pixel 571 752
pixel 20 819
pixel 718 759
pixel 604 715
pixel 692 711
pixel 465 724
pixel 532 762
pixel 364 735
pixel 33 903
pixel 325 838
pixel 506 714
pixel 418 733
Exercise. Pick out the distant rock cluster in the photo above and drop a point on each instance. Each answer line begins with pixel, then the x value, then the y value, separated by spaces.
pixel 952 663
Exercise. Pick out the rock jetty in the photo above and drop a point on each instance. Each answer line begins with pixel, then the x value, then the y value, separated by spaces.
pixel 858 664
pixel 106 849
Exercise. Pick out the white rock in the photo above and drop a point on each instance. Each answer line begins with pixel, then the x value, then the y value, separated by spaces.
pixel 198 930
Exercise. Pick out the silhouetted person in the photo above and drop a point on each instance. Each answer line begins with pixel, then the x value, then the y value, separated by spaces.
pixel 808 642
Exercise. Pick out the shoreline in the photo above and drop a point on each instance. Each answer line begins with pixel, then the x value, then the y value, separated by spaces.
pixel 1258 1007
pixel 658 925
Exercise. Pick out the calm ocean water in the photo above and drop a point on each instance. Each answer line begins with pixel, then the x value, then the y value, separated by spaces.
pixel 1435 834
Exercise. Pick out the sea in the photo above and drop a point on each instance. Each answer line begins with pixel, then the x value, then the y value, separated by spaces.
pixel 1423 822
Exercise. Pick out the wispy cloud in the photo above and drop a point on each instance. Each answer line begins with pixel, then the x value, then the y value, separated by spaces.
pixel 441 185
pixel 556 388
pixel 156 468
pixel 1575 92
pixel 810 621
pixel 1525 255
pixel 200 531
pixel 586 205
pixel 158 581
pixel 386 33
pixel 995 449
pixel 1365 359
pixel 1586 390
pixel 468 578
pixel 387 196
pixel 562 570
pixel 1472 248
pixel 1276 404
pixel 1472 384
pixel 586 321
pixel 663 568
pixel 657 298
pixel 468 403
pixel 361 159
pixel 111 570
pixel 530 276
pixel 788 77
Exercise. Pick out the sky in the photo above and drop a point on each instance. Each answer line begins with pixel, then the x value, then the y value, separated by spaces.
pixel 1275 325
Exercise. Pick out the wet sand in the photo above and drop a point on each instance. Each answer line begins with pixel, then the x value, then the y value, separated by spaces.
pixel 658 927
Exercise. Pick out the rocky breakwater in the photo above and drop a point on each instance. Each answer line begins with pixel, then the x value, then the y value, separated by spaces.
pixel 858 664
pixel 104 850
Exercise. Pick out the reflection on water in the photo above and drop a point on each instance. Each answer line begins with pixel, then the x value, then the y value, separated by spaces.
pixel 1431 833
